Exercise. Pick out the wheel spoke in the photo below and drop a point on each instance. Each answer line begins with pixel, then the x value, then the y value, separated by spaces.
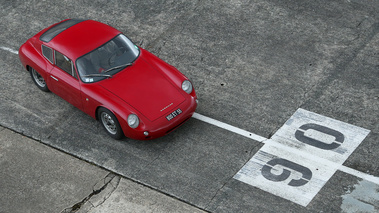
pixel 108 123
pixel 38 78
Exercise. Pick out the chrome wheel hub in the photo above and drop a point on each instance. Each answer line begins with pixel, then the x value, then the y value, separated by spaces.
pixel 108 123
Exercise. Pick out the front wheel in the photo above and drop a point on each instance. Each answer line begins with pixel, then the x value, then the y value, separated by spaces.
pixel 110 123
pixel 38 80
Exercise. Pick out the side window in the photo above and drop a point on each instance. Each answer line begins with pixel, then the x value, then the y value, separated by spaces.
pixel 48 53
pixel 64 63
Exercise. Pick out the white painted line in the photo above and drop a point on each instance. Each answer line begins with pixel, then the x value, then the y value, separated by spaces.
pixel 9 50
pixel 303 154
pixel 229 127
pixel 359 174
pixel 315 158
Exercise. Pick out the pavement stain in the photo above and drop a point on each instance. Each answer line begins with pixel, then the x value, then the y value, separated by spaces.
pixel 364 197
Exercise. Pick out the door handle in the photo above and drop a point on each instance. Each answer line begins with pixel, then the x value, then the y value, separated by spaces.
pixel 54 78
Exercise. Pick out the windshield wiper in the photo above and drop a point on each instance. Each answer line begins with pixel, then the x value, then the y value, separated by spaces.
pixel 116 67
pixel 98 75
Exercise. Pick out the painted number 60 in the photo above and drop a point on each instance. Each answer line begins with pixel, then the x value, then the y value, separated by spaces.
pixel 306 172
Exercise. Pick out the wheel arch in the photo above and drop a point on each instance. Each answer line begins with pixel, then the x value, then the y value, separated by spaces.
pixel 117 120
pixel 97 112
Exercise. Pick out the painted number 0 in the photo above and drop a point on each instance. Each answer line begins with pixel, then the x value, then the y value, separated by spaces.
pixel 306 173
pixel 339 137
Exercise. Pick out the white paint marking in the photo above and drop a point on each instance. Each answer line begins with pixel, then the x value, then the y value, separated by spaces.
pixel 229 127
pixel 359 174
pixel 303 154
pixel 353 135
pixel 310 144
pixel 9 50
pixel 321 162
pixel 321 171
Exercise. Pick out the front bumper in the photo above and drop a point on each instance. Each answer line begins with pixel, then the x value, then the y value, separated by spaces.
pixel 162 126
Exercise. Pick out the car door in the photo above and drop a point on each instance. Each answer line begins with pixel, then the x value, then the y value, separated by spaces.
pixel 64 80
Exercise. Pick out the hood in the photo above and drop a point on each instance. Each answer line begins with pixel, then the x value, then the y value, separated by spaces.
pixel 146 89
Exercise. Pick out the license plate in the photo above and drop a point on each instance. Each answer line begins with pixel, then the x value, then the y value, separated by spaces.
pixel 174 114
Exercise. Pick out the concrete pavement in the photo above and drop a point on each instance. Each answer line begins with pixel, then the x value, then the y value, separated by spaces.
pixel 253 64
pixel 37 178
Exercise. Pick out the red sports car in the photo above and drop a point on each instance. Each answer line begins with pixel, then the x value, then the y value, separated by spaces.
pixel 99 70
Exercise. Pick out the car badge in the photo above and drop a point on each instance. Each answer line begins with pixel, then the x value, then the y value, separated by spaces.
pixel 166 107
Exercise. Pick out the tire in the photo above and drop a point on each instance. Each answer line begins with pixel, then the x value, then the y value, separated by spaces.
pixel 38 80
pixel 110 123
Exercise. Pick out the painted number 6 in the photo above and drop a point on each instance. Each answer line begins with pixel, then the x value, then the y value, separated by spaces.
pixel 306 173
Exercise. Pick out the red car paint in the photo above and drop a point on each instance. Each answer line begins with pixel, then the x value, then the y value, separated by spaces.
pixel 150 88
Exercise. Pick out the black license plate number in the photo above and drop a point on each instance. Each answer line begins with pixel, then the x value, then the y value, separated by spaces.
pixel 174 114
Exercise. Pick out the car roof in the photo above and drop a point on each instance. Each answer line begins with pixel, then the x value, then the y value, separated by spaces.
pixel 75 38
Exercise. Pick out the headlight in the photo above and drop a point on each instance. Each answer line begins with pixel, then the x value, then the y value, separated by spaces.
pixel 133 121
pixel 187 86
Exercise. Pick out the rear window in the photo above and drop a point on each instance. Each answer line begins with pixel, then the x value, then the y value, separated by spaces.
pixel 54 31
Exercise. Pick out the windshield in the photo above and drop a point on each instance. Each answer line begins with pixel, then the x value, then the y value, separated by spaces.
pixel 107 60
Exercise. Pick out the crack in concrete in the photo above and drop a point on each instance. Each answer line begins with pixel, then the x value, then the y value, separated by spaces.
pixel 217 192
pixel 101 191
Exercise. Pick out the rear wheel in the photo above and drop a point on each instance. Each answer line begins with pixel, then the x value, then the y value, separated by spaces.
pixel 38 80
pixel 110 123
